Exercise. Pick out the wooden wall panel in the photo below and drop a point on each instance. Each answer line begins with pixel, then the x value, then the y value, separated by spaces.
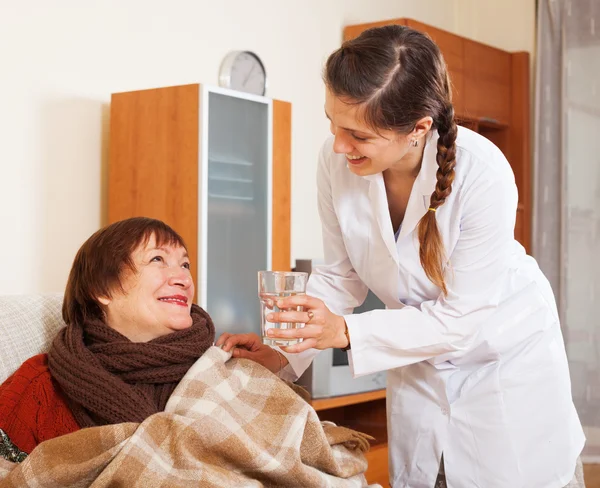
pixel 282 167
pixel 153 169
pixel 378 470
pixel 452 47
pixel 368 415
pixel 450 44
pixel 520 141
pixel 487 82
pixel 592 475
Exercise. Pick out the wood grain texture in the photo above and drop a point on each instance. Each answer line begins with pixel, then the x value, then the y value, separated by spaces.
pixel 520 141
pixel 521 232
pixel 452 48
pixel 153 159
pixel 451 45
pixel 487 82
pixel 378 470
pixel 592 475
pixel 154 163
pixel 364 412
pixel 341 401
pixel 282 174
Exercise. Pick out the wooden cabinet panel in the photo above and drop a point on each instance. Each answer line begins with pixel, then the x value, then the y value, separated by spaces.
pixel 378 470
pixel 480 74
pixel 519 139
pixel 282 167
pixel 364 412
pixel 452 47
pixel 457 81
pixel 153 168
pixel 522 227
pixel 155 148
pixel 519 226
pixel 487 82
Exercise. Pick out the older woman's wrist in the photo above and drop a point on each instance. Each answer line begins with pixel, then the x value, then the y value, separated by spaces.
pixel 283 361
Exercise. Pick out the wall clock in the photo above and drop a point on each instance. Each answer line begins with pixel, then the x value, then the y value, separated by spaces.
pixel 243 71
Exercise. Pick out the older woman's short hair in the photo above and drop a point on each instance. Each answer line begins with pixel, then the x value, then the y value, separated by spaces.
pixel 99 264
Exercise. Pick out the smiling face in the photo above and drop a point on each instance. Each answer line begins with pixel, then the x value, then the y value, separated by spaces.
pixel 156 298
pixel 368 152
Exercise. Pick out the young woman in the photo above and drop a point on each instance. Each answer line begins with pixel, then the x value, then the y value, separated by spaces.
pixel 422 212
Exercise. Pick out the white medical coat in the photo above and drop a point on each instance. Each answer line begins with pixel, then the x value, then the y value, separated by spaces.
pixel 481 374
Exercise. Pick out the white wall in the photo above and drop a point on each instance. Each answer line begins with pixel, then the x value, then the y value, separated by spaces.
pixel 61 60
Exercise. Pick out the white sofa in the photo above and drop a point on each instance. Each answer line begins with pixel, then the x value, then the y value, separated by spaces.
pixel 28 324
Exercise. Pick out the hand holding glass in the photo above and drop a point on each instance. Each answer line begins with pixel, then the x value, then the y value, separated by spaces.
pixel 273 285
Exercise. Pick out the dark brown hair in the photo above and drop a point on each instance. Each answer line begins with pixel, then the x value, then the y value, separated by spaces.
pixel 99 264
pixel 399 75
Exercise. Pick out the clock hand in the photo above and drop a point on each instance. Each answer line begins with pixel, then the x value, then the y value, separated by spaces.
pixel 248 75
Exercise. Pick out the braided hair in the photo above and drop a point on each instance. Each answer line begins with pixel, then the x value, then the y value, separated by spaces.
pixel 399 75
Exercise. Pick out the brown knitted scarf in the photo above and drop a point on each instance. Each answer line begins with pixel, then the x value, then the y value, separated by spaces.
pixel 108 379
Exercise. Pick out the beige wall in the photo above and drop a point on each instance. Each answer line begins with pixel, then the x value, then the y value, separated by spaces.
pixel 507 24
pixel 61 60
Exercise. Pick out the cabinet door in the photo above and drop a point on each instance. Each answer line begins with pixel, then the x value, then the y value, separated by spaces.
pixel 487 80
pixel 238 203
pixel 378 469
pixel 452 48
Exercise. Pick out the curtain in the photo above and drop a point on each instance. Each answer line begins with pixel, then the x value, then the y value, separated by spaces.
pixel 566 222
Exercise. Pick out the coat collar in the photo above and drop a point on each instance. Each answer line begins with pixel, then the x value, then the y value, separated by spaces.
pixel 418 202
pixel 424 186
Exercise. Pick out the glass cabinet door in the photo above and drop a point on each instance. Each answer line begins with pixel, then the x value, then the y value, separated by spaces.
pixel 238 202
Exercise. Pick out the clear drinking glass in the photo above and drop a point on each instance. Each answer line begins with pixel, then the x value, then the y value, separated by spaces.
pixel 273 285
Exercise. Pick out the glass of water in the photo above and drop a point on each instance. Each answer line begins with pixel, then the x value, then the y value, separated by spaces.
pixel 273 285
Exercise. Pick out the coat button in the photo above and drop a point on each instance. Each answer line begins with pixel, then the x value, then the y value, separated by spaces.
pixel 445 411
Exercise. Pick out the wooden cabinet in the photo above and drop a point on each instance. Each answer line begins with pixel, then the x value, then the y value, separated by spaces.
pixel 453 48
pixel 491 92
pixel 487 83
pixel 378 470
pixel 215 165
pixel 364 412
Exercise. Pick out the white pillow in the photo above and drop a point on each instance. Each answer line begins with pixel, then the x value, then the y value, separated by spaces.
pixel 28 325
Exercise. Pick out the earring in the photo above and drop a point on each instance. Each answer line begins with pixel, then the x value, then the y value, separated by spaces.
pixel 415 143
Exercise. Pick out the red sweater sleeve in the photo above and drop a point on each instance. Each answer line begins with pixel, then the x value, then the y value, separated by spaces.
pixel 32 408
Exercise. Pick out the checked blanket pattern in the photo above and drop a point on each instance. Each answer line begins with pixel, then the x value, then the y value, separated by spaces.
pixel 230 422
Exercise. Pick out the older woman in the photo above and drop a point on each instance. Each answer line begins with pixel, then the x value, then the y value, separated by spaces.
pixel 132 333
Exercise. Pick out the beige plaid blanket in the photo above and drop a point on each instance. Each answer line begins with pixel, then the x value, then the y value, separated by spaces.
pixel 229 423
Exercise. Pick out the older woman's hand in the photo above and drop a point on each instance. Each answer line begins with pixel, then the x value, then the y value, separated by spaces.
pixel 250 346
pixel 323 329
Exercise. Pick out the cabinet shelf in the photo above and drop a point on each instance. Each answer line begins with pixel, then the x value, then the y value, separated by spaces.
pixel 363 412
pixel 226 160
pixel 230 197
pixel 491 123
pixel 476 124
pixel 230 179
pixel 340 401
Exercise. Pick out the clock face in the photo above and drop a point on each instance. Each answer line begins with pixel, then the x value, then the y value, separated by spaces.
pixel 243 71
